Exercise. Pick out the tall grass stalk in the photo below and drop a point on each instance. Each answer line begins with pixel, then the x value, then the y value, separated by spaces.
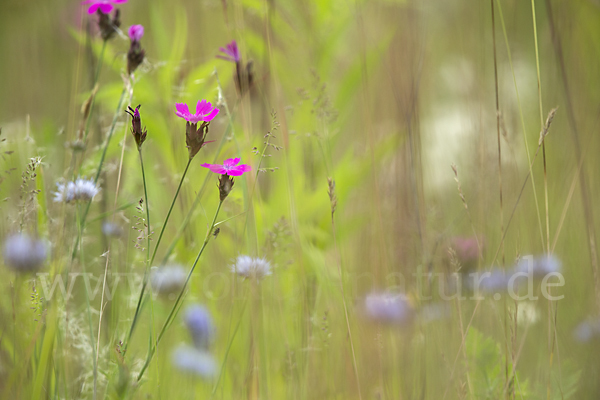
pixel 99 169
pixel 169 212
pixel 177 304
pixel 530 162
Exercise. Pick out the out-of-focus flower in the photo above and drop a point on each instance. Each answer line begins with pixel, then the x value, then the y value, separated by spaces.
pixel 104 6
pixel 587 330
pixel 135 55
pixel 109 27
pixel 136 32
pixel 230 167
pixel 23 253
pixel 204 112
pixel 111 229
pixel 389 308
pixel 168 280
pixel 488 281
pixel 539 266
pixel 231 52
pixel 197 362
pixel 80 190
pixel 467 251
pixel 248 267
pixel 138 133
pixel 243 75
pixel 199 324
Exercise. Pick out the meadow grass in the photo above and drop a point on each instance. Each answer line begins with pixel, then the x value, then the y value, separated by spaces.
pixel 404 207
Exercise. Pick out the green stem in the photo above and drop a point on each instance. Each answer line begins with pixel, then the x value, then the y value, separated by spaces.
pixel 87 301
pixel 237 326
pixel 147 211
pixel 170 209
pixel 175 308
pixel 99 170
pixel 188 217
pixel 96 77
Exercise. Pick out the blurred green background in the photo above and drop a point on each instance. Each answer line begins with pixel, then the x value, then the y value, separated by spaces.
pixel 382 96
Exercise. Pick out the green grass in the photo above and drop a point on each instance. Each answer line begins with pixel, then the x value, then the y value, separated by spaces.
pixel 380 96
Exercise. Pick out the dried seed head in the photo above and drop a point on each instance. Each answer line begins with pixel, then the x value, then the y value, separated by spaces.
pixel 332 196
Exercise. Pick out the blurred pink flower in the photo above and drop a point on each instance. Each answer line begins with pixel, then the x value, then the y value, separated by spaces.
pixel 467 249
pixel 231 51
pixel 105 6
pixel 136 32
pixel 204 112
pixel 230 167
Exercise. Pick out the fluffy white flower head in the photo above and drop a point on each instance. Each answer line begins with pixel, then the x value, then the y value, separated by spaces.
pixel 81 189
pixel 24 254
pixel 194 361
pixel 249 267
pixel 168 280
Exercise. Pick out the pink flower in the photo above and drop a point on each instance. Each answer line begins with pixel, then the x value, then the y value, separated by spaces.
pixel 230 167
pixel 136 32
pixel 105 6
pixel 231 51
pixel 204 112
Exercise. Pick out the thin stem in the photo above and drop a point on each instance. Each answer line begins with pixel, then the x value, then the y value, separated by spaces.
pixel 147 210
pixel 170 209
pixel 237 326
pixel 188 217
pixel 96 77
pixel 339 264
pixel 176 306
pixel 99 170
pixel 88 307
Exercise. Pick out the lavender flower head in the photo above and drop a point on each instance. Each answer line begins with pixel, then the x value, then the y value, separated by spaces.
pixel 539 266
pixel 105 6
pixel 489 281
pixel 587 330
pixel 168 280
pixel 248 267
pixel 23 253
pixel 199 324
pixel 389 308
pixel 136 32
pixel 192 360
pixel 80 190
pixel 231 52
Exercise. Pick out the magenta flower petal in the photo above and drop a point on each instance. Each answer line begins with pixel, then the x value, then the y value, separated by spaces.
pixel 216 168
pixel 136 32
pixel 201 107
pixel 204 112
pixel 106 8
pixel 93 8
pixel 231 162
pixel 213 114
pixel 239 170
pixel 231 51
pixel 230 167
pixel 182 111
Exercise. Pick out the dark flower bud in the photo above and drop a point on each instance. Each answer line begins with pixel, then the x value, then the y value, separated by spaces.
pixel 225 185
pixel 108 27
pixel 135 55
pixel 136 126
pixel 195 137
